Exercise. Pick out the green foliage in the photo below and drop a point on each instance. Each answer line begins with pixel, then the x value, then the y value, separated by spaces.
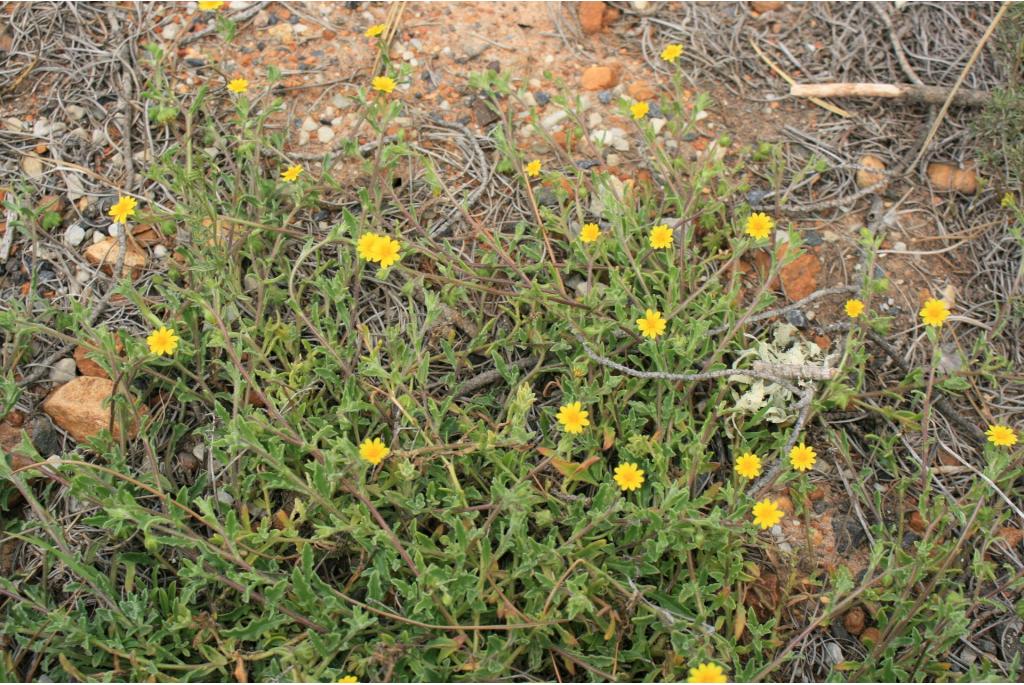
pixel 489 544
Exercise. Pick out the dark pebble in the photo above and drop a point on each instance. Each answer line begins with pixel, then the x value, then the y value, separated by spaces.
pixel 45 437
pixel 194 62
pixel 690 136
pixel 655 111
pixel 587 163
pixel 542 98
pixel 294 19
pixel 546 198
pixel 797 318
pixel 812 238
pixel 272 20
pixel 754 197
pixel 261 46
pixel 605 97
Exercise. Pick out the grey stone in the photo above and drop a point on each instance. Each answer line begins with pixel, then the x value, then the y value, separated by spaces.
pixel 64 370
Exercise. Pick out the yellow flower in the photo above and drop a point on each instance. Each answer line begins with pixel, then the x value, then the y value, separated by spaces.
pixel 385 251
pixel 767 514
pixel 291 173
pixel 652 325
pixel 384 84
pixel 573 417
pixel 802 457
pixel 590 232
pixel 661 237
pixel 639 109
pixel 124 208
pixel 373 451
pixel 367 246
pixel 1007 200
pixel 749 465
pixel 707 673
pixel 373 32
pixel 671 52
pixel 162 341
pixel 629 476
pixel 854 308
pixel 934 312
pixel 759 225
pixel 349 678
pixel 532 169
pixel 238 85
pixel 210 5
pixel 1001 436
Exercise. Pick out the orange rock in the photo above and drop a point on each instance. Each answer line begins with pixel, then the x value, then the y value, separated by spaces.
pixel 948 177
pixel 1013 536
pixel 591 16
pixel 641 90
pixel 800 277
pixel 80 407
pixel 763 6
pixel 854 621
pixel 106 251
pixel 87 366
pixel 818 493
pixel 865 176
pixel 146 235
pixel 822 341
pixel 611 15
pixel 785 504
pixel 871 636
pixel 917 522
pixel 599 78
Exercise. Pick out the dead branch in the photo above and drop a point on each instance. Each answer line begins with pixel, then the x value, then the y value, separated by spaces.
pixel 933 95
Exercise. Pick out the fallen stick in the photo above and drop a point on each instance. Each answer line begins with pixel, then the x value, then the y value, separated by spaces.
pixel 933 95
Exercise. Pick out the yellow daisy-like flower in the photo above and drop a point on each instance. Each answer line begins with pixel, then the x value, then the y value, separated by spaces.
pixel 124 208
pixel 532 169
pixel 652 325
pixel 671 52
pixel 386 251
pixel 854 308
pixel 802 457
pixel 373 451
pixel 629 476
pixel 1001 436
pixel 707 673
pixel 291 173
pixel 384 84
pixel 366 246
pixel 934 312
pixel 162 341
pixel 661 237
pixel 348 679
pixel 238 85
pixel 639 109
pixel 748 465
pixel 373 32
pixel 573 417
pixel 759 225
pixel 767 514
pixel 210 5
pixel 590 232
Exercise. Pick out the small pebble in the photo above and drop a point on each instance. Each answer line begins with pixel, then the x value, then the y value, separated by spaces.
pixel 64 370
pixel 74 235
pixel 797 318
pixel 542 98
pixel 115 229
pixel 325 134
pixel 605 97
pixel 98 237
pixel 812 238
pixel 159 251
